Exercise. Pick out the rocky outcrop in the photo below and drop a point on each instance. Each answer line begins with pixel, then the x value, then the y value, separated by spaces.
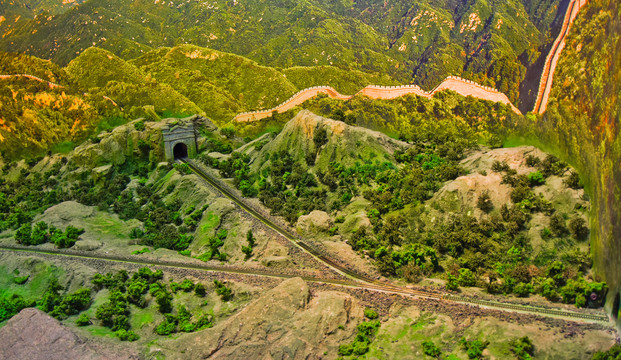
pixel 315 221
pixel 34 335
pixel 113 147
pixel 285 323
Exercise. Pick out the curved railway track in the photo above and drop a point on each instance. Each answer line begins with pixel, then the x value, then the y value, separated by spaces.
pixel 366 282
pixel 385 288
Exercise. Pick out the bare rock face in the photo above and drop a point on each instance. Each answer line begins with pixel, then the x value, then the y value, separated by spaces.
pixel 61 214
pixel 461 194
pixel 34 335
pixel 317 220
pixel 285 323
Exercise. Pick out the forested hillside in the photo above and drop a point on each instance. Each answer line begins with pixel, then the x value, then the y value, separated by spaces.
pixel 98 91
pixel 582 123
pixel 492 42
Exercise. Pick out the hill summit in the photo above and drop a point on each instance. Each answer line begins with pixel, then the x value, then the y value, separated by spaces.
pixel 320 141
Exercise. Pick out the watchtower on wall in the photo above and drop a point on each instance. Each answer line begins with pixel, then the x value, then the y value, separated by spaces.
pixel 179 139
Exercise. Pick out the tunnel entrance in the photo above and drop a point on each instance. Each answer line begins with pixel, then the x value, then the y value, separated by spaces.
pixel 179 138
pixel 180 151
pixel 615 306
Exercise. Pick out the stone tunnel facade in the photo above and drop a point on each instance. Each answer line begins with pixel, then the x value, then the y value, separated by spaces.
pixel 179 139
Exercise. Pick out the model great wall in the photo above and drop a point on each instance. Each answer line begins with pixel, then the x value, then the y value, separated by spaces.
pixel 461 86
pixel 32 77
pixel 545 83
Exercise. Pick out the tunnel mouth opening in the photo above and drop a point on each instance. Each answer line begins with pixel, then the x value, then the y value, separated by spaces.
pixel 615 306
pixel 180 151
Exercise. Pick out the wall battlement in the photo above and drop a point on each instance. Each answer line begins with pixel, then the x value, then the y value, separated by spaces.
pixel 462 86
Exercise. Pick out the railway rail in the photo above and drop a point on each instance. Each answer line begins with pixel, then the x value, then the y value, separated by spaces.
pixel 366 282
pixel 385 288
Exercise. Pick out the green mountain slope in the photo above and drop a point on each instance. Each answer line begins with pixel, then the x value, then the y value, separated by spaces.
pixel 220 83
pixel 34 116
pixel 103 74
pixel 177 81
pixel 493 42
pixel 582 123
pixel 14 12
pixel 344 81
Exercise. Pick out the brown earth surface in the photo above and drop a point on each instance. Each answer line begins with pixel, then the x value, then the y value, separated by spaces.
pixel 34 335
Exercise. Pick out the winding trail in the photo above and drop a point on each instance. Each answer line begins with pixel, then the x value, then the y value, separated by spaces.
pixel 461 86
pixel 547 75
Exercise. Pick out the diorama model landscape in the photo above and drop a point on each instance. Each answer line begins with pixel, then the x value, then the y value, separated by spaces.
pixel 310 179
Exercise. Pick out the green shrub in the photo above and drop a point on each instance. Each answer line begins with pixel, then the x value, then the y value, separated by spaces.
pixel 225 293
pixel 204 322
pixel 247 250
pixel 451 282
pixel 467 278
pixel 83 320
pixel 168 326
pixel 498 166
pixel 614 353
pixel 23 234
pixel 484 202
pixel 125 335
pixel 360 347
pixel 113 314
pixel 578 228
pixel 199 290
pixel 536 179
pixel 11 305
pixel 346 349
pixel 21 280
pixel 228 131
pixel 573 180
pixel 136 233
pixel 552 166
pixel 139 125
pixel 523 289
pixel 532 161
pixel 39 234
pixel 370 314
pixel 183 168
pixel 474 348
pixel 141 251
pixel 320 137
pixel 557 225
pixel 523 348
pixel 430 349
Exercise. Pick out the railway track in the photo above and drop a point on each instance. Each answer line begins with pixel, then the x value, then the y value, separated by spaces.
pixel 385 288
pixel 365 282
